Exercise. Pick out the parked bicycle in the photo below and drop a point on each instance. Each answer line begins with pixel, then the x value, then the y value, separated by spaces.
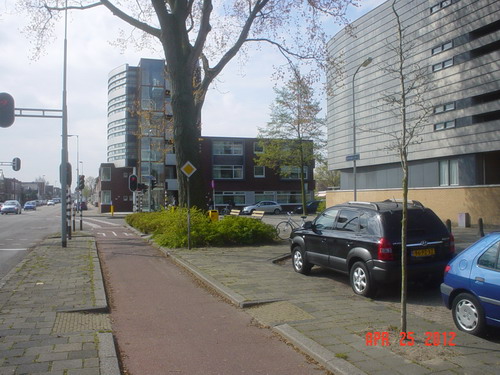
pixel 226 210
pixel 284 228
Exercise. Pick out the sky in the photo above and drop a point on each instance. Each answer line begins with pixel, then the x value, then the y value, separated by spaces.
pixel 237 105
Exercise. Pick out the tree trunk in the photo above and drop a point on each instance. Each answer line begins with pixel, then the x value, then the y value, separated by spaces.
pixel 404 255
pixel 187 119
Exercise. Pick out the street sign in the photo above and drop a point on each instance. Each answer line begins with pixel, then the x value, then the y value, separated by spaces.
pixel 188 169
pixel 352 157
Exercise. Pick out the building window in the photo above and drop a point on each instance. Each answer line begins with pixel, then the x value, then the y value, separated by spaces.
pixel 448 172
pixel 229 197
pixel 230 172
pixel 444 107
pixel 442 47
pixel 258 148
pixel 106 197
pixel 442 4
pixel 442 65
pixel 444 125
pixel 292 173
pixel 259 171
pixel 105 174
pixel 286 197
pixel 265 196
pixel 228 148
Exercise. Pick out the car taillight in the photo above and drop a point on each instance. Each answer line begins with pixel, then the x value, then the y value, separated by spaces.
pixel 385 250
pixel 447 268
pixel 452 244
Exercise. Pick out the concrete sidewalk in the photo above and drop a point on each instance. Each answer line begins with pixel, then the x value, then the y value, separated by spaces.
pixel 53 313
pixel 326 320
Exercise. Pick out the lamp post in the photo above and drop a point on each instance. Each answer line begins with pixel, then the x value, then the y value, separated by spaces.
pixel 355 157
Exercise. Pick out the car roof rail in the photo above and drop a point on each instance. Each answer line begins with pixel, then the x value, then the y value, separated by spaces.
pixel 375 205
pixel 410 201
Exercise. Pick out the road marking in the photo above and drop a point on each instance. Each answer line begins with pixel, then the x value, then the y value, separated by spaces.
pixel 86 222
pixel 114 234
pixel 13 249
pixel 103 234
pixel 102 221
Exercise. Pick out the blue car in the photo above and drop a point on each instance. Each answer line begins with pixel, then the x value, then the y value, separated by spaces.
pixel 471 287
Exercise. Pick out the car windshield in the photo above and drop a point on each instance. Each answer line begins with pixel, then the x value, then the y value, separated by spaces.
pixel 10 203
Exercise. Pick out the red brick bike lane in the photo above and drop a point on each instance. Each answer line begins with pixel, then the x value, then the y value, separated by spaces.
pixel 164 322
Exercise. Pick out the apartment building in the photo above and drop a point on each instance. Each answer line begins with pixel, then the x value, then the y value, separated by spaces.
pixel 455 165
pixel 140 142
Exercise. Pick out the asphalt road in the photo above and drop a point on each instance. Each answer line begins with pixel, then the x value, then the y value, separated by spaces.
pixel 19 233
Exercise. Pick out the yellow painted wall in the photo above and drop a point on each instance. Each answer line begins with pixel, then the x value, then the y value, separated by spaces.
pixel 478 201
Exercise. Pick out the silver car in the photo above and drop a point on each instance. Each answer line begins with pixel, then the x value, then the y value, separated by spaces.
pixel 266 206
pixel 12 206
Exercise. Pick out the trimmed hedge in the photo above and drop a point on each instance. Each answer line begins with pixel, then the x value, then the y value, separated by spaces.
pixel 169 229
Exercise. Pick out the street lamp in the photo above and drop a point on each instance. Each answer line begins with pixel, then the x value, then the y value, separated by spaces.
pixel 355 156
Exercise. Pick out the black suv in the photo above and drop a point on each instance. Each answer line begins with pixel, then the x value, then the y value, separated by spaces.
pixel 363 240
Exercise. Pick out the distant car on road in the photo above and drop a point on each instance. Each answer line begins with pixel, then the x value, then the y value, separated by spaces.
pixel 471 286
pixel 11 207
pixel 311 207
pixel 51 203
pixel 30 205
pixel 266 206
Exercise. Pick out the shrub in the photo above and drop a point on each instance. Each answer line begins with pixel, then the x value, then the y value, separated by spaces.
pixel 321 206
pixel 169 229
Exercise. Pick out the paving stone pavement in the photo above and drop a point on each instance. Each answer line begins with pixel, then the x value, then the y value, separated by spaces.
pixel 51 319
pixel 321 315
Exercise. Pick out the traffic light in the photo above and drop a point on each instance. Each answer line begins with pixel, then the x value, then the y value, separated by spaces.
pixel 153 183
pixel 132 182
pixel 7 115
pixel 16 164
pixel 81 182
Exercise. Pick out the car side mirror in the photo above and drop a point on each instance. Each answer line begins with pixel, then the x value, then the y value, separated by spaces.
pixel 308 225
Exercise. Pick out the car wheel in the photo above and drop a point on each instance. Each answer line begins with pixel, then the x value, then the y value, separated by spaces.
pixel 277 211
pixel 468 314
pixel 299 261
pixel 360 279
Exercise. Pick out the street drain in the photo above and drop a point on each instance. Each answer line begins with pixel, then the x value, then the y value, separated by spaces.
pixel 81 321
pixel 278 313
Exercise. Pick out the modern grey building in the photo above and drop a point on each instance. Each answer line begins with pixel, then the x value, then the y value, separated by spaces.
pixel 457 44
pixel 139 119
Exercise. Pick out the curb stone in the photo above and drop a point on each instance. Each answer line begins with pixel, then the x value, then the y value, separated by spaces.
pixel 325 357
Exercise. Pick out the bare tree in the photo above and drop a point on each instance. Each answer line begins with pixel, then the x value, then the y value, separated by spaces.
pixel 408 105
pixel 191 32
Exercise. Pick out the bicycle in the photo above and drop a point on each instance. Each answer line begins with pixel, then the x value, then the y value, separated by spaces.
pixel 285 228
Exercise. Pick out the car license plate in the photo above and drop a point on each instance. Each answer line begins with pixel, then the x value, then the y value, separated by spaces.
pixel 423 252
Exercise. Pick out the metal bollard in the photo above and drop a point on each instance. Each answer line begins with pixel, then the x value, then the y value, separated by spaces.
pixel 480 227
pixel 448 225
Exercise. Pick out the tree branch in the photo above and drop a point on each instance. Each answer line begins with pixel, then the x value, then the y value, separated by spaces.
pixel 131 20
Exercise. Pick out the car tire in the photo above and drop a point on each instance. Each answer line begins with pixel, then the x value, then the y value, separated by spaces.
pixel 277 211
pixel 361 281
pixel 468 314
pixel 299 262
